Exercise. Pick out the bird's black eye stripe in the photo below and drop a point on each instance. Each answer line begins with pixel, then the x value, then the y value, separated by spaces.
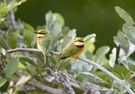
pixel 41 33
pixel 80 46
pixel 78 41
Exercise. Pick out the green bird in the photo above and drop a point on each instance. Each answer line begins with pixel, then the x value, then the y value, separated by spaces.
pixel 72 49
pixel 44 43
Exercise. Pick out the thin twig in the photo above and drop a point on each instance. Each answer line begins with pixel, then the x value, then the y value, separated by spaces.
pixel 122 83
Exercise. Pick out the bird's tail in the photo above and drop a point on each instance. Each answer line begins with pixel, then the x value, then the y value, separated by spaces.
pixel 61 64
pixel 46 61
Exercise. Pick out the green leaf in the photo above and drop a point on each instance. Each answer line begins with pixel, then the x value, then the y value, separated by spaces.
pixel 5 87
pixel 112 58
pixel 124 15
pixel 12 38
pixel 101 52
pixel 11 67
pixel 5 7
pixel 2 81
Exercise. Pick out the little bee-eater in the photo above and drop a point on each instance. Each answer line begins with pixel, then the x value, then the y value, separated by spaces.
pixel 44 43
pixel 72 49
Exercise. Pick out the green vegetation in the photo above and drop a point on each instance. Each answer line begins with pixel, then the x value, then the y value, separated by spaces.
pixel 22 72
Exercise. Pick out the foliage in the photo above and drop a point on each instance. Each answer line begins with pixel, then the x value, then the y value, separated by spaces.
pixel 19 70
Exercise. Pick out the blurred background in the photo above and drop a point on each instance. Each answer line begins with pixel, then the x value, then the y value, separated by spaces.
pixel 87 16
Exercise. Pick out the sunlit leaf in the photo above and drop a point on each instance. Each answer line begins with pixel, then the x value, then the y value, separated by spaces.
pixel 11 67
pixel 2 51
pixel 124 15
pixel 5 7
pixel 60 18
pixel 112 58
pixel 89 40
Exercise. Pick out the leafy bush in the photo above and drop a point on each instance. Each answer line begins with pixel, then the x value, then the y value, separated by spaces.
pixel 22 71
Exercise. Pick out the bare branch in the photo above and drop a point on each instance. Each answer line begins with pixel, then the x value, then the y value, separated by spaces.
pixel 23 50
pixel 46 88
pixel 30 50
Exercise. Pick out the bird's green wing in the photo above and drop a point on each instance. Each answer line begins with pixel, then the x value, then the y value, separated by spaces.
pixel 69 50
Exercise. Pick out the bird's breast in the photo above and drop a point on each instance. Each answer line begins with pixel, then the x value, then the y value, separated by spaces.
pixel 39 43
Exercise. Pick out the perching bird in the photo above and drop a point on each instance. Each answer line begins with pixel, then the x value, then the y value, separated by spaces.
pixel 72 49
pixel 44 43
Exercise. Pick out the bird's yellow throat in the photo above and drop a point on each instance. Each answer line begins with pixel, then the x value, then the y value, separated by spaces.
pixel 77 43
pixel 40 35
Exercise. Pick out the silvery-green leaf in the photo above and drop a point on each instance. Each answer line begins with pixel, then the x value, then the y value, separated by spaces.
pixel 90 37
pixel 122 41
pixel 112 57
pixel 124 15
pixel 122 55
pixel 101 52
pixel 121 89
pixel 53 24
pixel 91 76
pixel 129 30
pixel 131 49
